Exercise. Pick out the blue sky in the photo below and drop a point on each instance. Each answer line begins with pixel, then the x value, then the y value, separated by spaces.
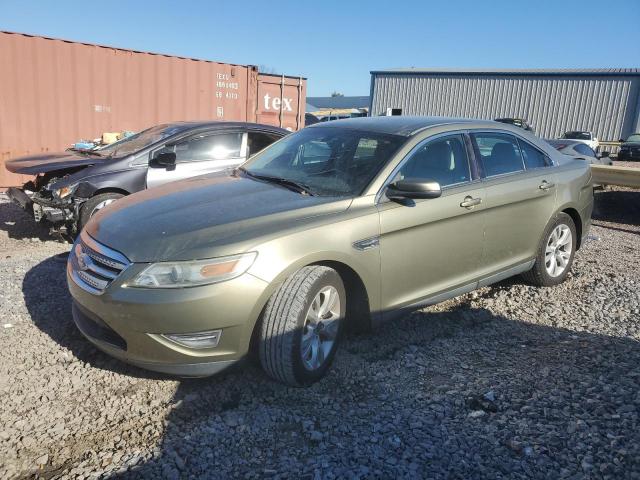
pixel 336 43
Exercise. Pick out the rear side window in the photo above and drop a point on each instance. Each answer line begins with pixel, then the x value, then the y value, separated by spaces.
pixel 499 152
pixel 533 158
pixel 257 141
pixel 443 160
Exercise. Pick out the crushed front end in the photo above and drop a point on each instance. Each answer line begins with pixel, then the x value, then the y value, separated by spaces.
pixel 58 209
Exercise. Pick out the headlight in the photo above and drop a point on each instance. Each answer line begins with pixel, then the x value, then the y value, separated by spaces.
pixel 191 274
pixel 65 191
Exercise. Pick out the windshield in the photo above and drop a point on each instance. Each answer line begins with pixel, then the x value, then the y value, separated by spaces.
pixel 577 135
pixel 140 140
pixel 634 138
pixel 327 161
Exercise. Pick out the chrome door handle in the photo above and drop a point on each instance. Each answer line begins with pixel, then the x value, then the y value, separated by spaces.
pixel 545 185
pixel 470 202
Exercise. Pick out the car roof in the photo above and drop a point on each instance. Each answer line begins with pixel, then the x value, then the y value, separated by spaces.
pixel 201 125
pixel 400 125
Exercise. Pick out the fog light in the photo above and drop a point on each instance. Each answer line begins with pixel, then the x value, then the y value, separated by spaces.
pixel 208 339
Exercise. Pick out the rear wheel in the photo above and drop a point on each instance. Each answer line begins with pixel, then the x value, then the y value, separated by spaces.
pixel 301 326
pixel 555 253
pixel 94 205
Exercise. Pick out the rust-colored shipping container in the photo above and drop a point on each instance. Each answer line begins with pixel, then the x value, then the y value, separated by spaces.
pixel 56 92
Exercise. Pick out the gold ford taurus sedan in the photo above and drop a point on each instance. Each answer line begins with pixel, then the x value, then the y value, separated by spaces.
pixel 344 223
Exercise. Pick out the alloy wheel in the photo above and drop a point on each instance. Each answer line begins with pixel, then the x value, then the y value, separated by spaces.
pixel 101 205
pixel 320 329
pixel 558 250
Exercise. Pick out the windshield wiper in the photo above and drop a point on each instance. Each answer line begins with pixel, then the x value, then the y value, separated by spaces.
pixel 285 182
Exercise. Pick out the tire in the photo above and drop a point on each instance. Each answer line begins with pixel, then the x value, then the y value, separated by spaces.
pixel 93 205
pixel 553 252
pixel 285 326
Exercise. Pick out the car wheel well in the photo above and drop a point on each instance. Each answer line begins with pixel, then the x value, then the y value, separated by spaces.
pixel 575 216
pixel 358 313
pixel 110 190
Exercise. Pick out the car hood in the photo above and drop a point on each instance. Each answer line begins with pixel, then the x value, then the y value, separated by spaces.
pixel 204 217
pixel 34 164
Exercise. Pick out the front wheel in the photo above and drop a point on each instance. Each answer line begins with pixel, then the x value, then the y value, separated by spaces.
pixel 94 205
pixel 555 253
pixel 301 326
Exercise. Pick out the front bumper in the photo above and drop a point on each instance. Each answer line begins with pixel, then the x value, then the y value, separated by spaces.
pixel 41 211
pixel 129 323
pixel 20 198
pixel 629 154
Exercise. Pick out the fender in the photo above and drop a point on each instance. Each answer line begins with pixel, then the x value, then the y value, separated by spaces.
pixel 372 287
pixel 129 180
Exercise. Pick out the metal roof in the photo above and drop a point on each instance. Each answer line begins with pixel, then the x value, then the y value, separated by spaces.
pixel 506 71
pixel 398 125
pixel 323 103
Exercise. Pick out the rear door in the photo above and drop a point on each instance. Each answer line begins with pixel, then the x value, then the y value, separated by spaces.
pixel 520 185
pixel 435 245
pixel 199 154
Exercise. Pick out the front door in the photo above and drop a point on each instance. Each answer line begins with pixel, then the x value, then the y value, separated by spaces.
pixel 198 154
pixel 431 246
pixel 520 198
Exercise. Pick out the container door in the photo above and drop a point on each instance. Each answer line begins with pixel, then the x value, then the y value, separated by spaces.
pixel 197 155
pixel 280 101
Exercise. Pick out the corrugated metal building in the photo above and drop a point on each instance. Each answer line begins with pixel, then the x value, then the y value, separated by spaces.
pixel 605 101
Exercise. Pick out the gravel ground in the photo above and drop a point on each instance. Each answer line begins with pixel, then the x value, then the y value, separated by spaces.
pixel 510 381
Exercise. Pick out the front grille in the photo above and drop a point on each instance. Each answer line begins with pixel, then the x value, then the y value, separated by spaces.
pixel 94 266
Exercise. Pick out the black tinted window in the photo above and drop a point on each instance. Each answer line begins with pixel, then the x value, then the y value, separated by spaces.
pixel 259 140
pixel 577 135
pixel 443 160
pixel 533 158
pixel 212 147
pixel 499 152
pixel 583 149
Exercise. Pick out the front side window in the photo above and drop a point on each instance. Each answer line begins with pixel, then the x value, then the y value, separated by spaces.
pixel 443 160
pixel 224 146
pixel 329 161
pixel 533 158
pixel 634 138
pixel 499 152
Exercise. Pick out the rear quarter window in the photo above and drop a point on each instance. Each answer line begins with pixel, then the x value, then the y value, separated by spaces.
pixel 533 158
